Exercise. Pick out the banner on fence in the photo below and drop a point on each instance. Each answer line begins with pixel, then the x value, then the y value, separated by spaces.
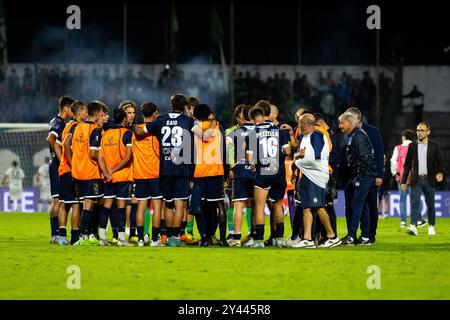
pixel 30 201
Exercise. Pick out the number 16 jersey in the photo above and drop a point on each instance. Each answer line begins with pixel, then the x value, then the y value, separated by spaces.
pixel 267 142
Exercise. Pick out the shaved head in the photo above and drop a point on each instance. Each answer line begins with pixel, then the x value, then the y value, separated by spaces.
pixel 307 122
pixel 308 119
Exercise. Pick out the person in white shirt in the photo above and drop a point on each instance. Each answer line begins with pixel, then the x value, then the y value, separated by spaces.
pixel 397 168
pixel 14 177
pixel 312 160
pixel 43 180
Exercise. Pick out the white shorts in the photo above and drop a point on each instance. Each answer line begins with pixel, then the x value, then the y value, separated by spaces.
pixel 15 193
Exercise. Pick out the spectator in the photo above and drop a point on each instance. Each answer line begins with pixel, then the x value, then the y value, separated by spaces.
pixel 285 89
pixel 417 98
pixel 341 95
pixel 305 89
pixel 40 89
pixel 327 106
pixel 14 86
pixel 314 99
pixel 27 83
pixel 367 90
pixel 297 86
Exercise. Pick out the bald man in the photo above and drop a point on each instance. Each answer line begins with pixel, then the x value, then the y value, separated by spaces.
pixel 312 160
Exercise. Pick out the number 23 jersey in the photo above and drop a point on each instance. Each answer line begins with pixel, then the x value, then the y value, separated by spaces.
pixel 175 137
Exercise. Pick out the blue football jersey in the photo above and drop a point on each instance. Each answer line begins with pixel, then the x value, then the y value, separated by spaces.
pixel 268 142
pixel 176 142
pixel 240 140
pixel 56 127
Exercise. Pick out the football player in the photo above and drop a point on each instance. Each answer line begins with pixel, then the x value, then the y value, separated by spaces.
pixel 56 128
pixel 83 148
pixel 67 194
pixel 268 147
pixel 210 169
pixel 175 138
pixel 115 163
pixel 146 176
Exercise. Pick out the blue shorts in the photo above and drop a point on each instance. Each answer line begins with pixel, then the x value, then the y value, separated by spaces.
pixel 276 184
pixel 276 194
pixel 147 189
pixel 242 189
pixel 118 190
pixel 67 189
pixel 195 199
pixel 311 195
pixel 174 188
pixel 207 188
pixel 211 188
pixel 90 189
pixel 54 179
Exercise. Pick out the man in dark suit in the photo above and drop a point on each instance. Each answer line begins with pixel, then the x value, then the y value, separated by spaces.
pixel 423 169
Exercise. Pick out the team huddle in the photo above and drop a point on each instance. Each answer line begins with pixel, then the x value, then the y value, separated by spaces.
pixel 184 165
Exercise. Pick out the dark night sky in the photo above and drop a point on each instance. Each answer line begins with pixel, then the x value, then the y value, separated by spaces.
pixel 333 32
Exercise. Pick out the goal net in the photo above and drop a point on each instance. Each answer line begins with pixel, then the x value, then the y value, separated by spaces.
pixel 26 143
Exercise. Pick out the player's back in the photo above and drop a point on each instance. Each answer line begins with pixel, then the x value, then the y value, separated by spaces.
pixel 269 141
pixel 176 143
pixel 83 166
pixel 146 155
pixel 209 155
pixel 239 140
pixel 113 146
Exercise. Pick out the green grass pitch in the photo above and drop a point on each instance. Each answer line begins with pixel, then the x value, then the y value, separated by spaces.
pixel 410 267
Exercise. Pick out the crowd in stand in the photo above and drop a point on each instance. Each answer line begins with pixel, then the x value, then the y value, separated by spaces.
pixel 329 96
pixel 38 89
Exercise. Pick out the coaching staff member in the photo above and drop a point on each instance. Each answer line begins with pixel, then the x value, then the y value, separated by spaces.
pixel 425 168
pixel 378 147
pixel 360 171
